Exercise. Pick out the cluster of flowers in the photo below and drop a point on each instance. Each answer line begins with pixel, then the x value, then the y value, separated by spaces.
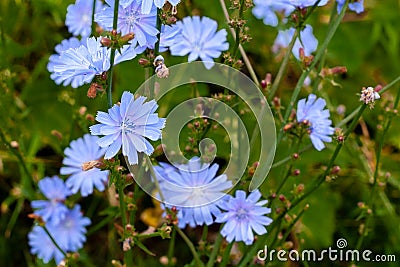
pixel 67 225
pixel 200 198
pixel 193 188
pixel 77 62
pixel 126 125
pixel 267 11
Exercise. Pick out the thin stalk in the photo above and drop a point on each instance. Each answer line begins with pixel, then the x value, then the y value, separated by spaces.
pixel 54 241
pixel 205 233
pixel 16 153
pixel 318 183
pixel 376 173
pixel 322 177
pixel 112 57
pixel 288 158
pixel 242 51
pixel 171 248
pixel 120 187
pixel 282 68
pixel 225 257
pixel 237 32
pixel 214 252
pixel 289 167
pixel 93 12
pixel 190 245
pixel 158 26
pixel 321 51
pixel 292 224
pixel 28 187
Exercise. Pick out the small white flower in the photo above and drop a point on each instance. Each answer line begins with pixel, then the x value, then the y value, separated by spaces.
pixel 368 96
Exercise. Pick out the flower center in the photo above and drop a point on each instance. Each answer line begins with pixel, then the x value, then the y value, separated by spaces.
pixel 132 17
pixel 85 18
pixel 127 126
pixel 197 46
pixel 241 214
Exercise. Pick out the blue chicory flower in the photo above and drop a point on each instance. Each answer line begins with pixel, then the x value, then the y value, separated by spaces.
pixel 53 209
pixel 69 234
pixel 79 17
pixel 170 35
pixel 307 41
pixel 128 125
pixel 82 157
pixel 314 113
pixel 200 39
pixel 131 20
pixel 243 216
pixel 78 64
pixel 194 189
pixel 266 10
pixel 356 6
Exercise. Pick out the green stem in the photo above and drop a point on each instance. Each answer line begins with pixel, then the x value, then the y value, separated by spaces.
pixel 284 65
pixel 322 177
pixel 319 181
pixel 171 248
pixel 54 241
pixel 376 173
pixel 158 26
pixel 227 252
pixel 214 252
pixel 93 12
pixel 112 56
pixel 288 158
pixel 237 31
pixel 205 233
pixel 28 187
pixel 289 229
pixel 190 245
pixel 242 51
pixel 120 187
pixel 321 51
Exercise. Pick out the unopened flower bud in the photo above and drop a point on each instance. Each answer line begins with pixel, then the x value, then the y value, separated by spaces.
pixel 105 41
pixel 57 134
pixel 143 61
pixel 89 117
pixel 296 172
pixel 14 144
pixel 299 188
pixel 263 84
pixel 129 227
pixel 335 170
pixel 82 110
pixel 277 102
pixel 127 37
pixel 287 127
